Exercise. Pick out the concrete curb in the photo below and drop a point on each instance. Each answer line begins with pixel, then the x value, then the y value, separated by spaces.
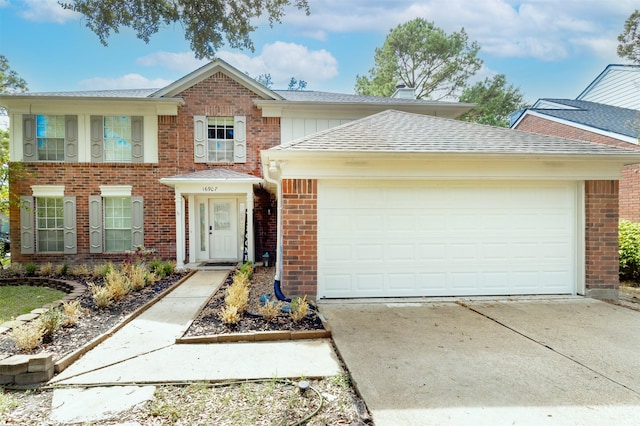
pixel 70 358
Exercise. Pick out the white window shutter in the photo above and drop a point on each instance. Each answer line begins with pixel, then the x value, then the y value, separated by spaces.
pixel 27 231
pixel 95 224
pixel 69 223
pixel 199 139
pixel 240 139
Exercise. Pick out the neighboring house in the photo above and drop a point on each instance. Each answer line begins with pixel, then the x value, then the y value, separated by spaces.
pixel 353 196
pixel 176 170
pixel 608 112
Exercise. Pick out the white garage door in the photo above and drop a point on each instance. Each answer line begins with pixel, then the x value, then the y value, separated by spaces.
pixel 390 238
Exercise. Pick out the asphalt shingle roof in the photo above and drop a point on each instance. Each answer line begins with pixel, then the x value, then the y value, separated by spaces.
pixel 400 132
pixel 214 174
pixel 313 96
pixel 622 121
pixel 124 93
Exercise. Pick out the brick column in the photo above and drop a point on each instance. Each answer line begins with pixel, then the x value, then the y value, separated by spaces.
pixel 300 237
pixel 601 239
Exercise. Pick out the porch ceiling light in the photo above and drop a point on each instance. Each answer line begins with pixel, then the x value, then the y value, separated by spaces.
pixel 273 166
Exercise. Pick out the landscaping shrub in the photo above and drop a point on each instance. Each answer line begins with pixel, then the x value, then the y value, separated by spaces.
pixel 27 336
pixel 62 269
pixel 101 295
pixel 30 269
pixel 230 315
pixel 299 308
pixel 629 250
pixel 72 312
pixel 50 322
pixel 270 309
pixel 46 269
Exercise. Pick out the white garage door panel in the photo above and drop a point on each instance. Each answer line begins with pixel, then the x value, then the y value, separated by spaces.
pixel 439 239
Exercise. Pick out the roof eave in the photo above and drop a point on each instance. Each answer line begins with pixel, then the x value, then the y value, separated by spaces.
pixel 276 107
pixel 630 158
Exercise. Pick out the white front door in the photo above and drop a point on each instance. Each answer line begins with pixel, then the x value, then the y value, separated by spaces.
pixel 223 229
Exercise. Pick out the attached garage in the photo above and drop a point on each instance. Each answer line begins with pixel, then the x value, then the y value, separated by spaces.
pixel 399 205
pixel 390 238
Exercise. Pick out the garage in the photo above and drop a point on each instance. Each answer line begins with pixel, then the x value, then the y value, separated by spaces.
pixel 401 205
pixel 395 238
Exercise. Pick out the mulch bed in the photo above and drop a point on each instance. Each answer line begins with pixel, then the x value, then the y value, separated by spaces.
pixel 208 321
pixel 96 322
pixel 99 321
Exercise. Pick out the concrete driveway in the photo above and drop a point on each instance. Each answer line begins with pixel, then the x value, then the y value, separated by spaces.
pixel 495 362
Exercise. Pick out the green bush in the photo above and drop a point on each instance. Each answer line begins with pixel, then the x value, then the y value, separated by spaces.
pixel 629 250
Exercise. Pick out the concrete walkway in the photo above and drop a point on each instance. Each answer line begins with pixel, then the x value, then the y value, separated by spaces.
pixel 144 352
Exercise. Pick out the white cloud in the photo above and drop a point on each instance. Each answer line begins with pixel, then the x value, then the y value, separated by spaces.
pixel 47 11
pixel 285 60
pixel 183 62
pixel 540 29
pixel 128 81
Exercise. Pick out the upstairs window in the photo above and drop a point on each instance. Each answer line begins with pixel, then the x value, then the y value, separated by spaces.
pixel 220 139
pixel 50 137
pixel 117 139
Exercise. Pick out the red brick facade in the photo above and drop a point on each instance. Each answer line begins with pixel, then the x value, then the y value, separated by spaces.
pixel 217 95
pixel 601 238
pixel 300 237
pixel 630 182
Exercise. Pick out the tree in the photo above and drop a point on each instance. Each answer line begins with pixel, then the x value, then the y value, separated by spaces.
pixel 206 22
pixel 296 84
pixel 629 39
pixel 10 82
pixel 495 101
pixel 420 55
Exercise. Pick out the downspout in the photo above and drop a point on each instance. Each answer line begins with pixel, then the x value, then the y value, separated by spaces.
pixel 276 168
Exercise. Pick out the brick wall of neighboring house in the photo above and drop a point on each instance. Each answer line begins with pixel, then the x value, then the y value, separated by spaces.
pixel 601 238
pixel 300 237
pixel 217 95
pixel 630 181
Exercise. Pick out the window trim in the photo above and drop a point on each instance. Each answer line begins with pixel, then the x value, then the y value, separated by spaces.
pixel 200 139
pixel 30 139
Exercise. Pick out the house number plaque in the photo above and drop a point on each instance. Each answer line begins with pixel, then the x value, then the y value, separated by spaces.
pixel 209 188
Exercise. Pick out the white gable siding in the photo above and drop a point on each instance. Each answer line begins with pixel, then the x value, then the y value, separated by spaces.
pixel 617 85
pixel 295 128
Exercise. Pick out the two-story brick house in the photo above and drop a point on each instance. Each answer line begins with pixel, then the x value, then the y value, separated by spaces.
pixel 352 196
pixel 176 170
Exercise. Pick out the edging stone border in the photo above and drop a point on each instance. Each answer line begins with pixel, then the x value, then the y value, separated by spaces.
pixel 73 290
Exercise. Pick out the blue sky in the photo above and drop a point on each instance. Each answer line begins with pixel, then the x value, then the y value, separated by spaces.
pixel 547 48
